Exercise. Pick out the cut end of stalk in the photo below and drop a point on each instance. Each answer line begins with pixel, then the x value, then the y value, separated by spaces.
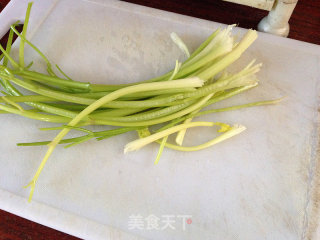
pixel 238 128
pixel 132 146
pixel 235 130
pixel 193 81
pixel 248 39
pixel 224 40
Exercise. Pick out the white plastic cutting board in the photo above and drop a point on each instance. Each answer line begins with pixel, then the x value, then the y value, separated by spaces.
pixel 258 185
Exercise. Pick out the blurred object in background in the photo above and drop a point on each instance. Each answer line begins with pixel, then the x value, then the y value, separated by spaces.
pixel 277 21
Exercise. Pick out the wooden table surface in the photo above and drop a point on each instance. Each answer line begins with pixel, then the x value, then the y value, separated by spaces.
pixel 304 24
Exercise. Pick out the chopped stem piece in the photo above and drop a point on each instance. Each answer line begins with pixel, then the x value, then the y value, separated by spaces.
pixel 235 130
pixel 139 143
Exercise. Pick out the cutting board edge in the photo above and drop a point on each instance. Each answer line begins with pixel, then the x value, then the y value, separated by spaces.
pixel 60 220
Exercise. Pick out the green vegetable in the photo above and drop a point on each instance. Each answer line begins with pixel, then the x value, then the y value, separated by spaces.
pixel 172 99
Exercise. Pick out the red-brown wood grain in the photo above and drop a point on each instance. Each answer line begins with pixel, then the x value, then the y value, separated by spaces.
pixel 13 227
pixel 304 24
